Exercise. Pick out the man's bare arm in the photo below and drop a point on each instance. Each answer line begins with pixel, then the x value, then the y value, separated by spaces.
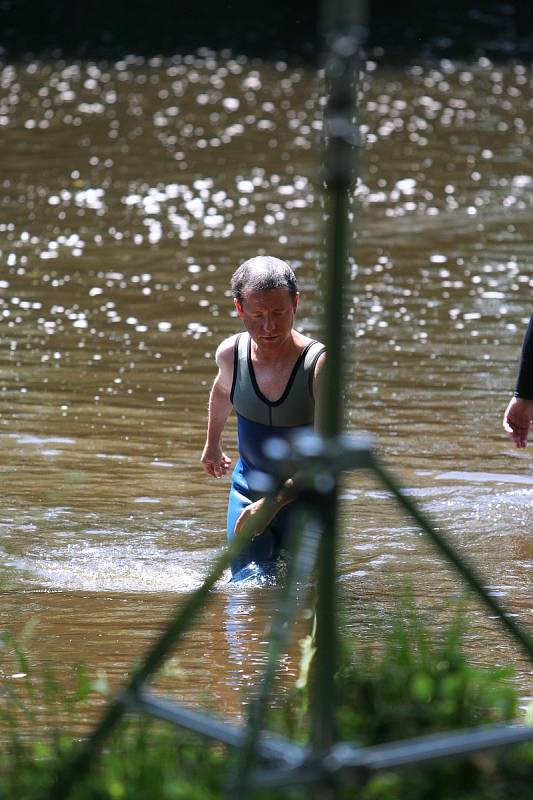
pixel 214 461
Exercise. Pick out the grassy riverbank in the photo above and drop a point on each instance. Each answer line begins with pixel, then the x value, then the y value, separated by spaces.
pixel 405 685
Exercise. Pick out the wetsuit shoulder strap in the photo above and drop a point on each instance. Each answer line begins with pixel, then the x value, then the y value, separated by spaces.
pixel 237 362
pixel 313 352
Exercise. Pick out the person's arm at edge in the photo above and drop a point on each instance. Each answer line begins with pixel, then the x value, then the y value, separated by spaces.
pixel 517 420
pixel 270 505
pixel 214 461
pixel 518 415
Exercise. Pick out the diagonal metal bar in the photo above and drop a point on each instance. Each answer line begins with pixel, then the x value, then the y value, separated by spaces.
pixel 349 763
pixel 468 572
pixel 270 747
pixel 305 538
pixel 425 749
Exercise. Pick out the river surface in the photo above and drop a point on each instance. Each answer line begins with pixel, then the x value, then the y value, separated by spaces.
pixel 130 192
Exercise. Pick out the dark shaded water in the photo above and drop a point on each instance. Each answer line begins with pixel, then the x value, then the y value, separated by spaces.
pixel 129 194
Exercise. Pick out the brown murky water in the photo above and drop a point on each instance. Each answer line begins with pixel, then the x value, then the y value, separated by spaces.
pixel 129 193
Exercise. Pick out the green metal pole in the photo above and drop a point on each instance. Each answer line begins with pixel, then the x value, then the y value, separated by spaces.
pixel 342 27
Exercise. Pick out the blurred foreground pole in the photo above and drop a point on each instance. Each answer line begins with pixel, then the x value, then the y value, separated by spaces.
pixel 343 26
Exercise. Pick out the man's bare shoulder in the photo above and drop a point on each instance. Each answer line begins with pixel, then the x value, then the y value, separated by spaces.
pixel 224 352
pixel 224 360
pixel 302 341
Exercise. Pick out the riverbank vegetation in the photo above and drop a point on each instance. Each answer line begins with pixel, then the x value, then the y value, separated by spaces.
pixel 406 684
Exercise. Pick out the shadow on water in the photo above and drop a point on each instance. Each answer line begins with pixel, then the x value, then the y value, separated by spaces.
pixel 414 29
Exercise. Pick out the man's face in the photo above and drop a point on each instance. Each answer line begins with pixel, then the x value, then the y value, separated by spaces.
pixel 268 316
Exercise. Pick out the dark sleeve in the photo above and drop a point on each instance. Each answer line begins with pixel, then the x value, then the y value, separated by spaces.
pixel 524 383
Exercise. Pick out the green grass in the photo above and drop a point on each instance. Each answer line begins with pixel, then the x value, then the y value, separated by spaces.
pixel 406 684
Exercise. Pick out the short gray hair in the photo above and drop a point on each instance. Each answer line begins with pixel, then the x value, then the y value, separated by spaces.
pixel 263 274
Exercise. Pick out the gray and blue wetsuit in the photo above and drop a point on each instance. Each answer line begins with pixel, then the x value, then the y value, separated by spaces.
pixel 258 419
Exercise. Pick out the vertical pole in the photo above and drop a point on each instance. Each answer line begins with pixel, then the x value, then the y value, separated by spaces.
pixel 342 31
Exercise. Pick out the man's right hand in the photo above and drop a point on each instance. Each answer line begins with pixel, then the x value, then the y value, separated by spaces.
pixel 517 420
pixel 214 461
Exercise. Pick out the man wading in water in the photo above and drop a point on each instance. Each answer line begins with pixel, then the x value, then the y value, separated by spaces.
pixel 270 376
